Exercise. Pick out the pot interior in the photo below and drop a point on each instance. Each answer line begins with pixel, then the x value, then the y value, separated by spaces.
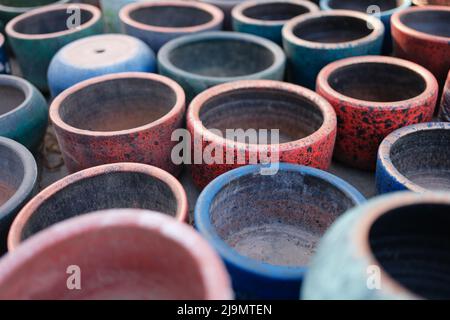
pixel 117 104
pixel 12 97
pixel 434 22
pixel 364 5
pixel 12 172
pixel 377 82
pixel 411 244
pixel 424 158
pixel 26 3
pixel 277 219
pixel 275 11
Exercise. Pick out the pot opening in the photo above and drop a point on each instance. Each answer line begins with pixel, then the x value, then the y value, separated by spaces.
pixel 12 97
pixel 26 3
pixel 434 22
pixel 12 173
pixel 363 5
pixel 275 11
pixel 377 82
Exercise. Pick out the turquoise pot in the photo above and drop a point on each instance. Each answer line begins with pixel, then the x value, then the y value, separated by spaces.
pixel 111 10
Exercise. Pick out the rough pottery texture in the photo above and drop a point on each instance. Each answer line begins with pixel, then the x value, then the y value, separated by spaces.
pixel 444 113
pixel 226 6
pixel 5 67
pixel 373 96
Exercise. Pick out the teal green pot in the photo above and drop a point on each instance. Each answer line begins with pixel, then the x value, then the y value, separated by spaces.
pixel 23 112
pixel 36 36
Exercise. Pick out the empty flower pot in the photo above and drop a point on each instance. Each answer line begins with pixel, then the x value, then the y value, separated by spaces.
pixel 5 67
pixel 314 40
pixel 444 113
pixel 158 22
pixel 18 176
pixel 198 62
pixel 306 125
pixel 23 112
pixel 36 36
pixel 393 247
pixel 373 96
pixel 266 227
pixel 123 117
pixel 113 186
pixel 226 6
pixel 117 254
pixel 415 158
pixel 266 18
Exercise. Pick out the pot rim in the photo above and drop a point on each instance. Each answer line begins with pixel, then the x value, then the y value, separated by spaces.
pixel 178 107
pixel 217 16
pixel 384 151
pixel 431 84
pixel 376 32
pixel 279 58
pixel 17 83
pixel 325 5
pixel 329 123
pixel 14 235
pixel 217 284
pixel 206 228
pixel 2 40
pixel 11 32
pixel 20 10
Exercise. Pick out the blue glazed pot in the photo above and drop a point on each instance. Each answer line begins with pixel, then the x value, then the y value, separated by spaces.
pixel 4 61
pixel 98 55
pixel 226 6
pixel 266 18
pixel 198 62
pixel 394 247
pixel 23 112
pixel 382 9
pixel 415 158
pixel 314 40
pixel 265 227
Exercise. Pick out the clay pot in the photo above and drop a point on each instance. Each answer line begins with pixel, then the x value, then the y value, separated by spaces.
pixel 266 227
pixel 23 112
pixel 36 36
pixel 123 117
pixel 118 254
pixel 110 10
pixel 444 113
pixel 5 67
pixel 306 124
pixel 314 40
pixel 98 55
pixel 373 96
pixel 394 247
pixel 415 158
pixel 156 23
pixel 431 2
pixel 226 6
pixel 266 18
pixel 198 62
pixel 18 176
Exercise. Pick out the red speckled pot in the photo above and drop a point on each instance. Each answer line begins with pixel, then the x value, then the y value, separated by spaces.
pixel 373 96
pixel 306 124
pixel 125 117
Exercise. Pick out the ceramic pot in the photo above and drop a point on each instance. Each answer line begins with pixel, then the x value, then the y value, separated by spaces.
pixel 394 247
pixel 158 22
pixel 444 113
pixel 36 36
pixel 5 67
pixel 98 55
pixel 123 117
pixel 225 57
pixel 415 158
pixel 111 9
pixel 373 96
pixel 226 6
pixel 314 40
pixel 431 2
pixel 265 227
pixel 266 18
pixel 306 125
pixel 18 176
pixel 23 112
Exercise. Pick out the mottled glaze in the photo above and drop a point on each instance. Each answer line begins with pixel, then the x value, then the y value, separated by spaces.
pixel 226 6
pixel 110 10
pixel 5 67
pixel 373 96
pixel 444 113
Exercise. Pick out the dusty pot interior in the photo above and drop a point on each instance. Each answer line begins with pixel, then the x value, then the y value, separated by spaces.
pixel 433 22
pixel 274 11
pixel 12 173
pixel 12 96
pixel 363 5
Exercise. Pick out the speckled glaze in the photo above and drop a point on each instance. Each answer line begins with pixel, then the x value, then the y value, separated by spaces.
pixel 18 177
pixel 158 22
pixel 36 37
pixel 444 113
pixel 121 254
pixel 415 158
pixel 373 96
pixel 23 112
pixel 5 67
pixel 306 121
pixel 266 18
pixel 226 6
pixel 98 55
pixel 399 241
pixel 265 227
pixel 198 62
pixel 123 117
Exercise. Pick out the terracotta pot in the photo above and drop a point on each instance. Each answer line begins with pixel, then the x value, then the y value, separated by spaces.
pixel 122 185
pixel 226 6
pixel 431 2
pixel 394 247
pixel 415 158
pixel 5 67
pixel 306 124
pixel 156 23
pixel 36 36
pixel 444 113
pixel 124 117
pixel 373 96
pixel 119 254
